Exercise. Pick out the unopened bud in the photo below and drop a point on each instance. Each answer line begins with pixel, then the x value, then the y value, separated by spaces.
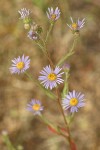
pixel 33 35
pixel 20 147
pixel 27 26
pixel 66 67
pixel 39 29
pixel 36 28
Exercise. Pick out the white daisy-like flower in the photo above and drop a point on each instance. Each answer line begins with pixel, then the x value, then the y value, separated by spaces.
pixel 72 101
pixel 20 64
pixel 76 26
pixel 35 106
pixel 53 14
pixel 50 78
pixel 24 13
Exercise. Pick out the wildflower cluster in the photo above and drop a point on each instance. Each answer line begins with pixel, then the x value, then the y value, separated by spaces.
pixel 52 75
pixel 33 29
pixel 25 16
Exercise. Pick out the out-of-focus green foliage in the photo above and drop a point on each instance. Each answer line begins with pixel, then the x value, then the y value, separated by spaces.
pixel 39 3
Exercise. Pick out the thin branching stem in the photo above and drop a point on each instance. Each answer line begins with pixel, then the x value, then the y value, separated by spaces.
pixel 71 51
pixel 48 93
pixel 68 130
pixel 48 32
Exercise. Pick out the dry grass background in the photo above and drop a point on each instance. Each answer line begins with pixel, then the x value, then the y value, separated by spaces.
pixel 16 91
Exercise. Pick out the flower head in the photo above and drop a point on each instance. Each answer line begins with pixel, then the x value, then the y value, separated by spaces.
pixel 24 13
pixel 33 35
pixel 72 101
pixel 50 77
pixel 53 14
pixel 20 64
pixel 76 26
pixel 35 106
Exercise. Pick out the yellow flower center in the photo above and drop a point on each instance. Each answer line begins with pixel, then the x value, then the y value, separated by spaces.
pixel 73 102
pixel 52 76
pixel 53 16
pixel 20 65
pixel 74 26
pixel 36 107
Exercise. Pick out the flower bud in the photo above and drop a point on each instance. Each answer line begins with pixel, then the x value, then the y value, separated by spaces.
pixel 33 35
pixel 27 26
pixel 36 28
pixel 66 67
pixel 39 29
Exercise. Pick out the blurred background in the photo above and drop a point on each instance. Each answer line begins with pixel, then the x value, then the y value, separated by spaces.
pixel 17 90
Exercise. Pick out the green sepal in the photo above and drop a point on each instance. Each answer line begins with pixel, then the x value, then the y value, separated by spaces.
pixel 27 20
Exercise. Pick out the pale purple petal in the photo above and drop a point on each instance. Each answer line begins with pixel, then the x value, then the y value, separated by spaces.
pixel 79 24
pixel 47 83
pixel 15 61
pixel 55 12
pixel 24 13
pixel 66 101
pixel 30 107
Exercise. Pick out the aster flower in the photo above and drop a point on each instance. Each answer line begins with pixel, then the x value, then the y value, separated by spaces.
pixel 24 13
pixel 53 14
pixel 33 35
pixel 76 26
pixel 50 77
pixel 20 64
pixel 72 101
pixel 35 106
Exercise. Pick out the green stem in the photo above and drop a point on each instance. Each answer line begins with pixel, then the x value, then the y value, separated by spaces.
pixel 54 127
pixel 50 61
pixel 65 89
pixel 62 111
pixel 48 93
pixel 58 99
pixel 46 53
pixel 71 51
pixel 70 119
pixel 8 142
pixel 41 47
pixel 48 32
pixel 44 120
pixel 48 123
